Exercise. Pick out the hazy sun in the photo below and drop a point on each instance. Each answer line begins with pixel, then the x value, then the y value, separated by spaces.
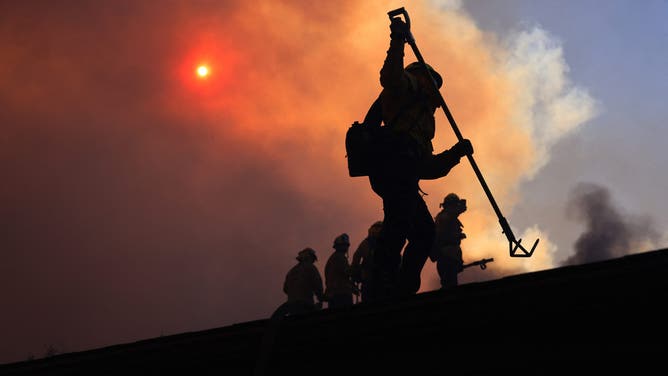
pixel 202 71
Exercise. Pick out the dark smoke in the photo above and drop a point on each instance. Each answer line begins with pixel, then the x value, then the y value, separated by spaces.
pixel 610 233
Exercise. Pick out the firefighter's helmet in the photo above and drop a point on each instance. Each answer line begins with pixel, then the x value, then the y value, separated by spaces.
pixel 375 228
pixel 306 253
pixel 450 199
pixel 417 66
pixel 342 239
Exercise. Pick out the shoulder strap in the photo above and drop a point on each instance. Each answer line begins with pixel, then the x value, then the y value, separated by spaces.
pixel 374 117
pixel 406 105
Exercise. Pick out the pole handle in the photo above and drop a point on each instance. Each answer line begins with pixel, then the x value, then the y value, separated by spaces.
pixel 400 12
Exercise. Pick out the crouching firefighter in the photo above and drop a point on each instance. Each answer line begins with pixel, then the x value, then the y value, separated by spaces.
pixel 402 157
pixel 301 284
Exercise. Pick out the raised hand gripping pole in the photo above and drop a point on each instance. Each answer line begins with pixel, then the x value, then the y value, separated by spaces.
pixel 514 244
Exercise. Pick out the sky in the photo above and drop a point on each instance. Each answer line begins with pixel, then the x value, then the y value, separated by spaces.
pixel 139 199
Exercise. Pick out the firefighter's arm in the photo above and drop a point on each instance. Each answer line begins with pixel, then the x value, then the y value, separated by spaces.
pixel 317 284
pixel 356 263
pixel 357 256
pixel 439 165
pixel 392 75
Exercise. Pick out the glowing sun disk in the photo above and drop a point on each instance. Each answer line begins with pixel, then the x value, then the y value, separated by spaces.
pixel 202 71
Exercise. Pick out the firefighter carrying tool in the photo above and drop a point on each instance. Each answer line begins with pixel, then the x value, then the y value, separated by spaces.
pixel 515 247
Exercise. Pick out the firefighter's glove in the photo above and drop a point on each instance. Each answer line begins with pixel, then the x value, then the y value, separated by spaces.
pixel 462 148
pixel 398 29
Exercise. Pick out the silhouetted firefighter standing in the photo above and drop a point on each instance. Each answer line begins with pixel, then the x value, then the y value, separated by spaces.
pixel 362 264
pixel 447 251
pixel 404 155
pixel 396 156
pixel 338 285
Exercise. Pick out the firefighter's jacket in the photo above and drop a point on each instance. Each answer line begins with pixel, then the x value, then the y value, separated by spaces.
pixel 337 275
pixel 362 263
pixel 448 237
pixel 302 282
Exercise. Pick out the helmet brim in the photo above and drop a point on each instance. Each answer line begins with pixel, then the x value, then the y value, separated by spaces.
pixel 417 67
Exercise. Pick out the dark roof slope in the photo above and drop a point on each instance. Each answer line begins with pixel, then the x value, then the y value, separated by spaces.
pixel 606 316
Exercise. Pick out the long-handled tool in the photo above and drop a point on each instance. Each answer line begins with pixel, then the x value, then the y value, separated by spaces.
pixel 514 244
pixel 482 263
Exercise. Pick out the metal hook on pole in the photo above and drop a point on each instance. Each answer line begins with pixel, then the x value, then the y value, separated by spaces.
pixel 515 245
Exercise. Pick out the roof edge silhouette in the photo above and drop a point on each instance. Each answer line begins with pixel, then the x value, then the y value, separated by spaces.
pixel 605 315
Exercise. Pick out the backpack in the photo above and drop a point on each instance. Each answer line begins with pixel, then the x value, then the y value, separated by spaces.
pixel 361 141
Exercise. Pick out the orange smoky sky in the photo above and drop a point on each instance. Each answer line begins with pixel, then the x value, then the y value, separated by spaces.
pixel 140 200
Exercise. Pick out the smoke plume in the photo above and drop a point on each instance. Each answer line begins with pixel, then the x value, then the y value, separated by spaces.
pixel 610 232
pixel 139 200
